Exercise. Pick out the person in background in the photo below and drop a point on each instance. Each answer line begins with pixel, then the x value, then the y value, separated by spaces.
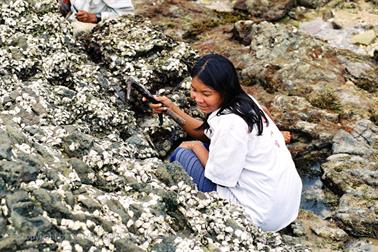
pixel 245 159
pixel 93 11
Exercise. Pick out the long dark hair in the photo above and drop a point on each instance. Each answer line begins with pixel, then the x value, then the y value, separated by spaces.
pixel 219 73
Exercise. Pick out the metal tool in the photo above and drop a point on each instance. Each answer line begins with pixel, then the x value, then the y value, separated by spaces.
pixel 74 7
pixel 132 83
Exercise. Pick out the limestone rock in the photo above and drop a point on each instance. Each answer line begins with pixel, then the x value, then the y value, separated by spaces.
pixel 364 38
pixel 265 10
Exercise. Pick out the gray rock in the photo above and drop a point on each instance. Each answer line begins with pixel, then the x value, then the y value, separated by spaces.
pixel 124 245
pixel 361 245
pixel 313 4
pixel 331 233
pixel 77 144
pixel 364 38
pixel 242 31
pixel 3 224
pixel 5 146
pixel 8 243
pixel 25 216
pixel 358 216
pixel 14 173
pixel 89 203
pixel 167 244
pixel 354 176
pixel 346 143
pixel 298 228
pixel 52 203
pixel 266 10
pixel 82 170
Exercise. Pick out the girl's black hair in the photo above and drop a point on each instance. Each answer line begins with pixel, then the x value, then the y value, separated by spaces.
pixel 219 73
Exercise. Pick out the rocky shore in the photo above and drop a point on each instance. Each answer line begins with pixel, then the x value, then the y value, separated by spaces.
pixel 83 168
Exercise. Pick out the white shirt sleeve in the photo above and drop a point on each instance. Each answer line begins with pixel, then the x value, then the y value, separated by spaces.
pixel 117 8
pixel 107 8
pixel 119 4
pixel 112 13
pixel 228 150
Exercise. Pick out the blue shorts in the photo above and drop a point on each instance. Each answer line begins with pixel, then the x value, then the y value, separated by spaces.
pixel 193 167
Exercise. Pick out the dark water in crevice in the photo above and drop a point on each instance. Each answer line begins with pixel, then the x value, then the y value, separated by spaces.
pixel 314 198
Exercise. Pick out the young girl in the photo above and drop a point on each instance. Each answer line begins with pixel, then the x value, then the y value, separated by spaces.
pixel 247 161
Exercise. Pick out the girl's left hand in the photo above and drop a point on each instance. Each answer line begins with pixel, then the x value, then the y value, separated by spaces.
pixel 190 144
pixel 198 149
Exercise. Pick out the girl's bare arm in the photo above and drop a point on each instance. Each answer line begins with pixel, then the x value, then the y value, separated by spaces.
pixel 190 124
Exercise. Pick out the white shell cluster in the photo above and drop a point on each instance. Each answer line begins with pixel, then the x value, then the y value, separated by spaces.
pixel 141 51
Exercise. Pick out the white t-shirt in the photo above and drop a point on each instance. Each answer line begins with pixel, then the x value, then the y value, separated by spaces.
pixel 107 8
pixel 256 172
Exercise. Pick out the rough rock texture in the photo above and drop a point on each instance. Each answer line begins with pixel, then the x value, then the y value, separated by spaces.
pixel 79 166
pixel 312 3
pixel 319 86
pixel 352 172
pixel 265 9
pixel 324 235
pixel 343 24
pixel 318 90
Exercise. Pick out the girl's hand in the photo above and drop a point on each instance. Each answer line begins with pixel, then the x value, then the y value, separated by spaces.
pixel 191 145
pixel 199 150
pixel 165 104
pixel 187 144
pixel 287 136
pixel 86 17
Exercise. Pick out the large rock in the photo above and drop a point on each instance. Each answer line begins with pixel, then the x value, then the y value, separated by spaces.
pixel 265 10
pixel 284 61
pixel 352 172
pixel 312 3
pixel 317 233
pixel 317 92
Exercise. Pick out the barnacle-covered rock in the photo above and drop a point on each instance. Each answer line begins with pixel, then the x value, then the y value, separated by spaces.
pixel 141 51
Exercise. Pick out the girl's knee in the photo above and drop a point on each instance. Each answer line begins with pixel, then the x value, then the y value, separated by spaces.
pixel 173 156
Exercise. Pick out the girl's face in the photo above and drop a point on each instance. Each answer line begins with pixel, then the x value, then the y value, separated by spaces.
pixel 207 99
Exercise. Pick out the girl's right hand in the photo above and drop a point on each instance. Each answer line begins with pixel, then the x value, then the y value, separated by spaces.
pixel 287 136
pixel 162 107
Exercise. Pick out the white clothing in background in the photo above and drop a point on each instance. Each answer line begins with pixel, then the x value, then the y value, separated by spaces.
pixel 256 172
pixel 107 8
